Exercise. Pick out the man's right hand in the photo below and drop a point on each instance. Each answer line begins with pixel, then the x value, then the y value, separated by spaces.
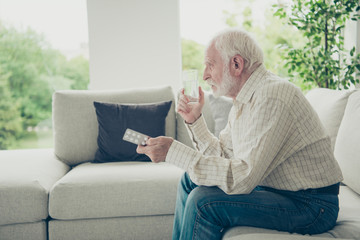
pixel 190 111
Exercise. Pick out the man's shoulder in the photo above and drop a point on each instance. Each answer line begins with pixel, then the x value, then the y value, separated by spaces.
pixel 275 87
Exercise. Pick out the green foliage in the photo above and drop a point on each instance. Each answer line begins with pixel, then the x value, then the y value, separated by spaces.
pixel 322 60
pixel 10 120
pixel 271 37
pixel 77 69
pixel 33 72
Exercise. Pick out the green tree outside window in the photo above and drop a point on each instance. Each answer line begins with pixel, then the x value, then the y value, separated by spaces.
pixel 30 72
pixel 323 60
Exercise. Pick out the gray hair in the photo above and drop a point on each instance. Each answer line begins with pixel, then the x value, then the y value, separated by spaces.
pixel 234 41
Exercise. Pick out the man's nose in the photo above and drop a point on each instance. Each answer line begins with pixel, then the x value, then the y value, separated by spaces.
pixel 206 75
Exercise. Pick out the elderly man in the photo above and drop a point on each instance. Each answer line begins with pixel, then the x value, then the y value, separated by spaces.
pixel 271 167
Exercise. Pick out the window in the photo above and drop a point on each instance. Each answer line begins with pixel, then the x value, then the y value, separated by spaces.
pixel 200 19
pixel 44 48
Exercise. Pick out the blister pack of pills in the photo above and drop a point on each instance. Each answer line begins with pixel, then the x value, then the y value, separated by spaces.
pixel 135 137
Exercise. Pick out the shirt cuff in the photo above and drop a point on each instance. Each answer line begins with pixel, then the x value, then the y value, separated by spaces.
pixel 182 156
pixel 199 133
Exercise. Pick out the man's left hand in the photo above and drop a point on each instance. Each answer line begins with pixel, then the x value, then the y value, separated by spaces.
pixel 156 148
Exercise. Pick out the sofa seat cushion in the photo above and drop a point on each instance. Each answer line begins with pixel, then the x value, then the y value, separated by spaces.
pixel 121 228
pixel 26 177
pixel 347 225
pixel 117 189
pixel 24 231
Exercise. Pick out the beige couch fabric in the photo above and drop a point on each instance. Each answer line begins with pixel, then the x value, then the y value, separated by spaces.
pixel 26 177
pixel 124 228
pixel 118 189
pixel 28 231
pixel 347 147
pixel 330 106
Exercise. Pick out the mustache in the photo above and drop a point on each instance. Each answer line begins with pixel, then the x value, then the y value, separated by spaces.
pixel 210 82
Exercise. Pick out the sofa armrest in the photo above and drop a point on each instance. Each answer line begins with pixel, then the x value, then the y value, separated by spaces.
pixel 26 177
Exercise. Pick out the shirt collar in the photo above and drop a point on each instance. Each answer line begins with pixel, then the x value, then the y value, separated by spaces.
pixel 255 79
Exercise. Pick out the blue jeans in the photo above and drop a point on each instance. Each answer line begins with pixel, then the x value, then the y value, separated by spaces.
pixel 205 212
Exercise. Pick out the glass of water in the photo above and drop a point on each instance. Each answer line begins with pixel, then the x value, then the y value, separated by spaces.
pixel 190 84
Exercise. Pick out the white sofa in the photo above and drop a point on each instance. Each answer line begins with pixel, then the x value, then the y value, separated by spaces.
pixel 60 194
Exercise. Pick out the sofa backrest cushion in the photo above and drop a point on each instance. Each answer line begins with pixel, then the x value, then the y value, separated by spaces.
pixel 75 124
pixel 220 109
pixel 330 106
pixel 347 147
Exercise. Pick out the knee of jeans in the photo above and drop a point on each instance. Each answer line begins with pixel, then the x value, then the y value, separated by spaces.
pixel 198 198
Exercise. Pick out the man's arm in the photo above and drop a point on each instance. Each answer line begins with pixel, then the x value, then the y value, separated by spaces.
pixel 263 134
pixel 206 143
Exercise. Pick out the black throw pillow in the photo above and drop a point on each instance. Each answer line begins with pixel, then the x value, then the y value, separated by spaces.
pixel 114 119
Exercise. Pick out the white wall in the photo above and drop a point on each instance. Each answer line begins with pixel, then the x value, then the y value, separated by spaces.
pixel 134 43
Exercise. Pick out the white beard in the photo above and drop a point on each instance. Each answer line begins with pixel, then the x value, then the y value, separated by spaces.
pixel 226 85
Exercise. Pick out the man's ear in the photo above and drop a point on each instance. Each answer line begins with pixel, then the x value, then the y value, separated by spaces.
pixel 237 65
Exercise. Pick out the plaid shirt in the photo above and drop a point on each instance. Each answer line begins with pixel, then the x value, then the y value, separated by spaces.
pixel 273 138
